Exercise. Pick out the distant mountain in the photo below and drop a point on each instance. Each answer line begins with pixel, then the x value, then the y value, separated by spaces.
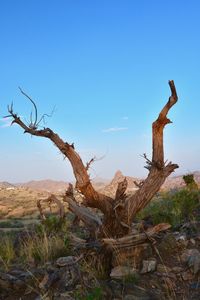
pixel 53 186
pixel 101 184
pixel 48 185
pixel 170 183
pixel 22 201
pixel 111 188
pixel 178 182
pixel 5 184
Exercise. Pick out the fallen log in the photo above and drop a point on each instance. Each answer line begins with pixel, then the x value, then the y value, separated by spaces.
pixel 132 240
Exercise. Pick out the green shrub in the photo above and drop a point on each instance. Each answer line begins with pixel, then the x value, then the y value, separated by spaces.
pixel 52 224
pixel 190 182
pixel 172 207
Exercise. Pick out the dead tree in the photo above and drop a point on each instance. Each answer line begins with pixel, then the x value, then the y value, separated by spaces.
pixel 119 211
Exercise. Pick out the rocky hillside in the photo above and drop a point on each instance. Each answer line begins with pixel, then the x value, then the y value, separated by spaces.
pixel 20 200
pixel 17 202
pixel 173 182
pixel 53 186
pixel 178 182
pixel 5 184
pixel 166 266
pixel 111 188
pixel 48 185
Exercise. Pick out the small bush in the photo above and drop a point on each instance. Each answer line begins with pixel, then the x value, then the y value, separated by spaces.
pixel 190 182
pixel 172 207
pixel 52 224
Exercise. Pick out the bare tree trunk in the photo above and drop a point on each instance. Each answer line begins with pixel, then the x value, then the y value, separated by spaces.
pixel 120 211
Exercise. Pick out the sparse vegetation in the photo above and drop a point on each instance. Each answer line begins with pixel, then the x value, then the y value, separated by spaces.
pixel 172 207
pixel 7 252
pixel 190 182
pixel 52 225
pixel 48 241
pixel 11 224
pixel 43 248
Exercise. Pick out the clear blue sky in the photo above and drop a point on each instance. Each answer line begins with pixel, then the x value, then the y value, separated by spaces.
pixel 105 65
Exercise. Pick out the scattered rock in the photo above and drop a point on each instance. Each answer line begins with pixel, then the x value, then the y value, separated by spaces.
pixel 181 239
pixel 192 258
pixel 18 279
pixel 122 271
pixel 191 229
pixel 148 266
pixel 65 261
pixel 192 241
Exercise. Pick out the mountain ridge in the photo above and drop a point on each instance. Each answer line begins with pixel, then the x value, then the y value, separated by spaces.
pixel 104 185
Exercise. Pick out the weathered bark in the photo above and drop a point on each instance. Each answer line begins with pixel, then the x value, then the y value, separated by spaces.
pixel 91 220
pixel 83 183
pixel 135 239
pixel 158 170
pixel 120 211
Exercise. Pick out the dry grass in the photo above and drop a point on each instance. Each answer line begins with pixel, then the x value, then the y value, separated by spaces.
pixel 43 248
pixel 38 247
pixel 7 252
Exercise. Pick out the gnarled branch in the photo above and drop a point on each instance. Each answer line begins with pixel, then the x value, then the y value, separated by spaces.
pixel 159 124
pixel 91 220
pixel 83 183
pixel 135 239
pixel 120 211
pixel 121 190
pixel 158 171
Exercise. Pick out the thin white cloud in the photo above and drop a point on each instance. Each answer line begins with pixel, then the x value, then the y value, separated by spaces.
pixel 115 129
pixel 6 122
